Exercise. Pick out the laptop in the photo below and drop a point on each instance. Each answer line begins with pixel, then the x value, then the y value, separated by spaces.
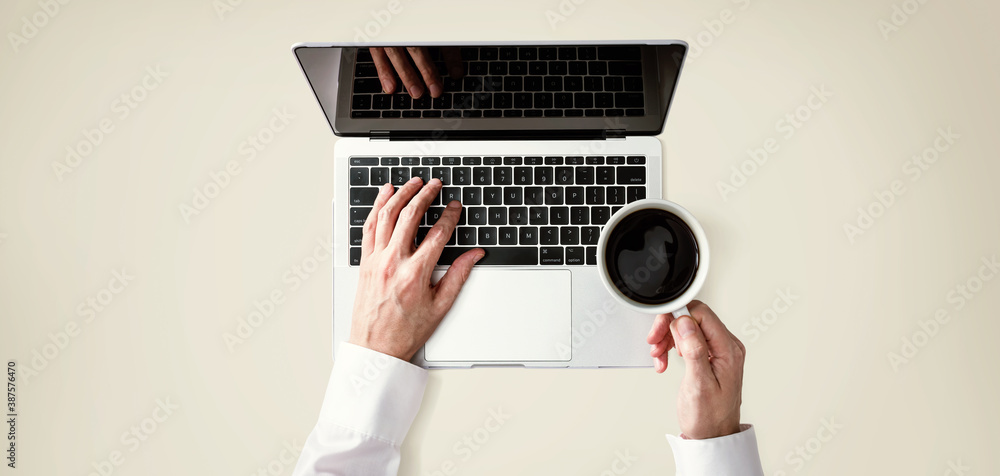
pixel 541 142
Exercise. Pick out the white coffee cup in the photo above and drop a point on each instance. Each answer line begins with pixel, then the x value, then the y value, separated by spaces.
pixel 678 305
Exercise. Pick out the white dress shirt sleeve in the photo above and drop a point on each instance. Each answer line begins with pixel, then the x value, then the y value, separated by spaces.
pixel 732 455
pixel 372 399
pixel 370 403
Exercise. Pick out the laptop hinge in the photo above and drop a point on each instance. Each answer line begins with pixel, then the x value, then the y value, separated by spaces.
pixel 614 134
pixel 379 135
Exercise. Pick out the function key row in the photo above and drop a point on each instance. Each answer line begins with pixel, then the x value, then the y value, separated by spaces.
pixel 496 160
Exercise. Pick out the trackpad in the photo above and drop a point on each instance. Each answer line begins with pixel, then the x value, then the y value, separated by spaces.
pixel 506 315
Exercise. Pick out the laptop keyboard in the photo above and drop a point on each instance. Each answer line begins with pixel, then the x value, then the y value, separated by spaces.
pixel 521 210
pixel 521 81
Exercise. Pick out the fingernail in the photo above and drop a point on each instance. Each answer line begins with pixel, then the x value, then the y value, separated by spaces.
pixel 386 87
pixel 478 257
pixel 417 91
pixel 436 90
pixel 685 327
pixel 434 181
pixel 385 188
pixel 416 179
pixel 454 204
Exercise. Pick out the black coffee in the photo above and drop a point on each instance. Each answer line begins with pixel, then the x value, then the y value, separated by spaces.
pixel 651 256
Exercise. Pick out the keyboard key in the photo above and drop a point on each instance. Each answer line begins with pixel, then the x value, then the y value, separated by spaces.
pixel 502 175
pixel 527 53
pixel 553 83
pixel 423 172
pixel 534 160
pixel 625 68
pixel 613 83
pixel 597 67
pixel 558 68
pixel 466 236
pixel 553 195
pixel 503 100
pixel 441 173
pixel 635 193
pixel 522 175
pixel 390 160
pixel 585 175
pixel 615 195
pixel 534 196
pixel 575 196
pixel 487 235
pixel 564 100
pixel 434 214
pixel 633 83
pixel 594 160
pixel 528 235
pixel 430 161
pixel 392 114
pixel 543 100
pixel 367 85
pixel 591 255
pixel 567 53
pixel 366 161
pixel 472 196
pixel 587 52
pixel 511 256
pixel 477 215
pixel 600 215
pixel 493 196
pixel 364 70
pixel 410 161
pixel 553 160
pixel 363 195
pixel 537 68
pixel 579 215
pixel 574 160
pixel 518 216
pixel 379 175
pixel 451 161
pixel 605 175
pixel 448 194
pixel 543 175
pixel 508 53
pixel 569 235
pixel 538 216
pixel 519 68
pixel 497 216
pixel 619 52
pixel 631 175
pixel 547 53
pixel 361 101
pixel 574 255
pixel 399 175
pixel 382 101
pixel 522 100
pixel 578 68
pixel 423 102
pixel 624 100
pixel 508 235
pixel 615 160
pixel 564 175
pixel 559 215
pixel 355 256
pixel 635 112
pixel 359 176
pixel 481 176
pixel 574 112
pixel 589 235
pixel 401 101
pixel 595 195
pixel 549 235
pixel 443 102
pixel 636 159
pixel 472 161
pixel 462 176
pixel 512 196
pixel 533 83
pixel 573 83
pixel 551 255
pixel 359 215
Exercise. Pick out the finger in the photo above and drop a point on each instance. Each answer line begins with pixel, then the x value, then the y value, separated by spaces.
pixel 689 339
pixel 386 75
pixel 411 80
pixel 410 215
pixel 388 215
pixel 430 249
pixel 451 283
pixel 661 328
pixel 453 61
pixel 660 363
pixel 661 347
pixel 427 69
pixel 721 342
pixel 369 230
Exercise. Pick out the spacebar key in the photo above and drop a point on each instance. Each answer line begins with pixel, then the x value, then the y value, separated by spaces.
pixel 527 255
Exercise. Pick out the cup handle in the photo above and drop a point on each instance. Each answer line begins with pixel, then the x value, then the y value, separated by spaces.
pixel 681 312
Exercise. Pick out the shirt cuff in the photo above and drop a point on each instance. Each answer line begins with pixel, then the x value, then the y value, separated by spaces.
pixel 731 455
pixel 373 394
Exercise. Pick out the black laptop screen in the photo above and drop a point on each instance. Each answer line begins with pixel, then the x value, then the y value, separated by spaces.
pixel 478 91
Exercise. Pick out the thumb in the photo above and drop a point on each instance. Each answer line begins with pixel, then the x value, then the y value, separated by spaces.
pixel 453 280
pixel 692 345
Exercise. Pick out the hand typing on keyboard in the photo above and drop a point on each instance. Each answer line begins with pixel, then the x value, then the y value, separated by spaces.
pixel 396 308
pixel 391 61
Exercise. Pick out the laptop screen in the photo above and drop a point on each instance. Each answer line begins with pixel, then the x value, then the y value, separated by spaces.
pixel 471 91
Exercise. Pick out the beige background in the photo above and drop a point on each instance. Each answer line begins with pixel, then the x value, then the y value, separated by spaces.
pixel 826 357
